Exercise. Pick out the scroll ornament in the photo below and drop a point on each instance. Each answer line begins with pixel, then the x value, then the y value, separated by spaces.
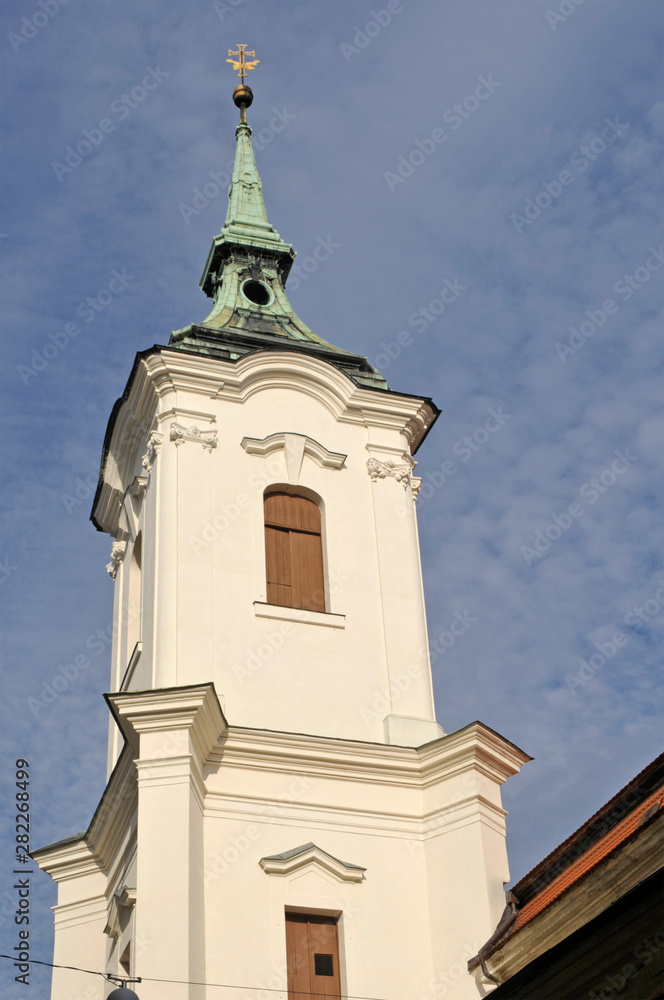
pixel 382 470
pixel 180 434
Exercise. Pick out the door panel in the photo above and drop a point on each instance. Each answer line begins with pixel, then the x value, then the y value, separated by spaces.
pixel 297 955
pixel 312 949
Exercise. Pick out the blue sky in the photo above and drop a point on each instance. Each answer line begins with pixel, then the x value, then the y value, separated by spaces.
pixel 535 207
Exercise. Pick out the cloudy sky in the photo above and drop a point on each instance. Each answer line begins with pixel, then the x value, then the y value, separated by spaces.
pixel 497 151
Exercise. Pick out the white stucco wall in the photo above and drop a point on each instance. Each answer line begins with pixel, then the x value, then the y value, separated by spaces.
pixel 249 730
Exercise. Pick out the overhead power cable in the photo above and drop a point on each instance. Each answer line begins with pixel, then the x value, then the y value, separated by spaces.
pixel 184 982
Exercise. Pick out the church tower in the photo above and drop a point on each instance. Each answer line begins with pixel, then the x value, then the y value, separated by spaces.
pixel 283 814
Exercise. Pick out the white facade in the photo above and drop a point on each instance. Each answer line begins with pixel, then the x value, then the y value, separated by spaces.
pixel 223 433
pixel 243 731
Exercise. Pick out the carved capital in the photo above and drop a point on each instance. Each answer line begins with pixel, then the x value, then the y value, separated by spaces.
pixel 154 444
pixel 118 550
pixel 395 470
pixel 180 434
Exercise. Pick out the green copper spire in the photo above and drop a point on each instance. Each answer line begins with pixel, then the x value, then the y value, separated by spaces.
pixel 246 222
pixel 246 218
pixel 247 269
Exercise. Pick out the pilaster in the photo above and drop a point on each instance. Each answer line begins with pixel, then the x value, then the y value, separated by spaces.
pixel 412 719
pixel 175 730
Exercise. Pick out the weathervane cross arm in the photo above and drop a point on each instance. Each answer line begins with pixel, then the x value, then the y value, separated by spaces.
pixel 240 63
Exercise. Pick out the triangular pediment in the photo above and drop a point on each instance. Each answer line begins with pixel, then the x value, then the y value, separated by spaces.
pixel 310 857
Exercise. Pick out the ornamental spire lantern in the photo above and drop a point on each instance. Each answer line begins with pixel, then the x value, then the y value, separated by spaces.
pixel 279 791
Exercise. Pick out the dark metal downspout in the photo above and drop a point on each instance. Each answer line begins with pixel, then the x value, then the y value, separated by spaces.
pixel 502 930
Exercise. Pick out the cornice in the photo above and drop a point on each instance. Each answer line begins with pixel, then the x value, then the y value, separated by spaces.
pixel 160 374
pixel 68 860
pixel 96 849
pixel 195 709
pixel 476 746
pixel 115 817
pixel 81 912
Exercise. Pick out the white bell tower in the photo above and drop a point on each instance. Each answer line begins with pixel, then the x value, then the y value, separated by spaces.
pixel 283 812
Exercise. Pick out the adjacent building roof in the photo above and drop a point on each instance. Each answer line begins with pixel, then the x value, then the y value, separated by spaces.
pixel 606 858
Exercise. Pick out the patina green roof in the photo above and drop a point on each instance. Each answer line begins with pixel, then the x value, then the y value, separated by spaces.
pixel 246 218
pixel 245 276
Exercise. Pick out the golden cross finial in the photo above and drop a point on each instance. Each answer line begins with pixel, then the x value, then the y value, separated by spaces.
pixel 240 64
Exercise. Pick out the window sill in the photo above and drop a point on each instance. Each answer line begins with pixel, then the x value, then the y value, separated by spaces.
pixel 262 610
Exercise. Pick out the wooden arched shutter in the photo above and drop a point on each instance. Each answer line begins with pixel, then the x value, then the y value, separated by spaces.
pixel 294 552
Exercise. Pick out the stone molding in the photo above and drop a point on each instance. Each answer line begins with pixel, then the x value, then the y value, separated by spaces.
pixel 123 899
pixel 137 487
pixel 195 709
pixel 80 913
pixel 70 859
pixel 473 747
pixel 325 618
pixel 401 471
pixel 180 434
pixel 154 444
pixel 118 551
pixel 308 857
pixel 295 447
pixel 159 376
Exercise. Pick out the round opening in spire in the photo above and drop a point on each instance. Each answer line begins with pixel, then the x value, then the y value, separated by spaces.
pixel 256 292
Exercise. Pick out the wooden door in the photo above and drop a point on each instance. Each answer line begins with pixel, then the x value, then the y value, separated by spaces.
pixel 312 950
